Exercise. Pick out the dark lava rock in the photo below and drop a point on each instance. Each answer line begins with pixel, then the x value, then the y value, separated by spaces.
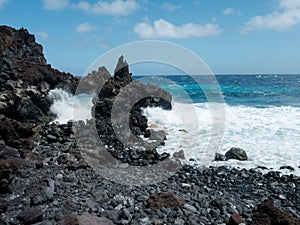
pixel 120 100
pixel 85 219
pixel 287 168
pixel 165 199
pixel 25 77
pixel 3 205
pixel 235 219
pixel 91 83
pixel 16 134
pixel 6 171
pixel 267 214
pixel 179 154
pixel 218 203
pixel 30 216
pixel 121 72
pixel 220 157
pixel 236 153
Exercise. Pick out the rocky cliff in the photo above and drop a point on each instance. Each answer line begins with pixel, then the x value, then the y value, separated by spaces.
pixel 26 78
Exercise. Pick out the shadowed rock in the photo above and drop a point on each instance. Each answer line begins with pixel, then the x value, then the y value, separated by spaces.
pixel 267 214
pixel 30 216
pixel 165 199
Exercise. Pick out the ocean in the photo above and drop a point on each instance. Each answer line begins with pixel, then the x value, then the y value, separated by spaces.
pixel 258 113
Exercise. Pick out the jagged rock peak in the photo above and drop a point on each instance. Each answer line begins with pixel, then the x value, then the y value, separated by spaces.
pixel 93 81
pixel 121 64
pixel 121 73
pixel 19 45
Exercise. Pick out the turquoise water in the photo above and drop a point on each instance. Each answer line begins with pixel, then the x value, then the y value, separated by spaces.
pixel 258 113
pixel 249 90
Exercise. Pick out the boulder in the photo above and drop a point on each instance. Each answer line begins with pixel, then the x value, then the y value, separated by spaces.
pixel 179 154
pixel 165 199
pixel 267 214
pixel 236 153
pixel 30 216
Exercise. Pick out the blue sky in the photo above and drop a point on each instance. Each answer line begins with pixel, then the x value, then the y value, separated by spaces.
pixel 232 36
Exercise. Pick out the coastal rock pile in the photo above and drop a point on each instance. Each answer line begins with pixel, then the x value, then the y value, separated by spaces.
pixel 117 111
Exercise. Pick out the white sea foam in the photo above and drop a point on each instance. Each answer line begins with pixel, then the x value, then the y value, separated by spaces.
pixel 270 136
pixel 67 107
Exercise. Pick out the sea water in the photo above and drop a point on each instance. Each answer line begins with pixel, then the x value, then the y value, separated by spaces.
pixel 261 116
pixel 258 113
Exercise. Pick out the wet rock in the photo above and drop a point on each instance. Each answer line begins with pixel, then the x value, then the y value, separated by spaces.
pixel 220 157
pixel 30 216
pixel 179 154
pixel 236 153
pixel 165 199
pixel 287 168
pixel 267 214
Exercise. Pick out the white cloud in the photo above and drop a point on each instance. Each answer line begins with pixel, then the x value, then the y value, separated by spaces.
pixel 82 5
pixel 285 17
pixel 85 27
pixel 42 35
pixel 170 7
pixel 2 3
pixel 228 11
pixel 56 4
pixel 165 29
pixel 116 7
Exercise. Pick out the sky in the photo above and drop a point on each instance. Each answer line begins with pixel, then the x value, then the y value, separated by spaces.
pixel 231 36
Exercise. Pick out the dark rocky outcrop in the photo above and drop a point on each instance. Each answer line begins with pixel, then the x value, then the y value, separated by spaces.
pixel 26 78
pixel 118 113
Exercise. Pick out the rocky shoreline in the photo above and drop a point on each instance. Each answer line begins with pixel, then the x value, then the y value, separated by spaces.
pixel 46 177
